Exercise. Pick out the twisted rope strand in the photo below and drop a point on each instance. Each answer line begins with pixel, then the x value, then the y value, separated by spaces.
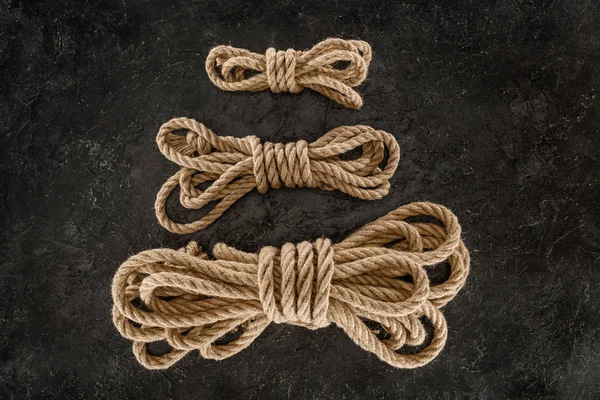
pixel 237 166
pixel 234 69
pixel 191 301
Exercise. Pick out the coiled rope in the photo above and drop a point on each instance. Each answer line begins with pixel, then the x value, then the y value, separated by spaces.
pixel 237 166
pixel 319 69
pixel 192 301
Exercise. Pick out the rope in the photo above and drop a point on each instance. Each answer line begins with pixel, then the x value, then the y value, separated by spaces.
pixel 236 166
pixel 192 301
pixel 319 69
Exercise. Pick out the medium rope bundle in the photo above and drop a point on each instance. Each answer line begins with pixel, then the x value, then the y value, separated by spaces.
pixel 237 166
pixel 192 301
pixel 235 69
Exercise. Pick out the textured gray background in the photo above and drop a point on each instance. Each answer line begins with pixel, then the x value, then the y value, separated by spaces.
pixel 495 109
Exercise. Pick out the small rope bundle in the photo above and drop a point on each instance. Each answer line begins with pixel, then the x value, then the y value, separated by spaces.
pixel 237 166
pixel 291 70
pixel 192 301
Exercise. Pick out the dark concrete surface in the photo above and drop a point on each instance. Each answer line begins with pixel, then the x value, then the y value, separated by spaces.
pixel 494 104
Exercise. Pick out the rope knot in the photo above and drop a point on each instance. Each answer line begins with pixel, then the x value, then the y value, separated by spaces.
pixel 197 143
pixel 281 71
pixel 278 164
pixel 294 283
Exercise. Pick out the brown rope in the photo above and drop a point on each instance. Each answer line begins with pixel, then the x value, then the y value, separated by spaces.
pixel 318 69
pixel 237 166
pixel 192 301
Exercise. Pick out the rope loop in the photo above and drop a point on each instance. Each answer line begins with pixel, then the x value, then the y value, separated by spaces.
pixel 379 273
pixel 234 166
pixel 332 67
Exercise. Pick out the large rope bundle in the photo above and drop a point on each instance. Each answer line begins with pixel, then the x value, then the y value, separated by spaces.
pixel 378 273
